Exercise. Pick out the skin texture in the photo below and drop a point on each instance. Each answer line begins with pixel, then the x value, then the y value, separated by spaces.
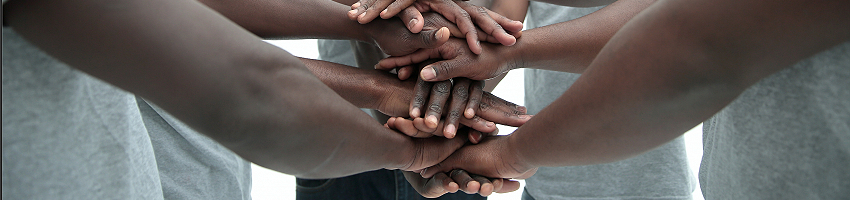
pixel 671 67
pixel 223 81
pixel 540 48
pixel 461 13
pixel 276 19
pixel 382 91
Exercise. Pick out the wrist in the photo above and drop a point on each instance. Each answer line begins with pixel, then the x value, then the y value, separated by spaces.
pixel 513 150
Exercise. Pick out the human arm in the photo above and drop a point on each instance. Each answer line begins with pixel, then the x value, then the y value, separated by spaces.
pixel 461 13
pixel 384 92
pixel 670 68
pixel 221 80
pixel 568 46
pixel 294 19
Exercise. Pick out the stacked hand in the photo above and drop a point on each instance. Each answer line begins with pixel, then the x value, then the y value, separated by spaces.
pixel 461 13
pixel 471 112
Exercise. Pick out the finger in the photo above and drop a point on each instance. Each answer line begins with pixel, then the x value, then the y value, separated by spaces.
pixel 439 95
pixel 479 124
pixel 497 110
pixel 430 39
pixel 503 104
pixel 420 125
pixel 411 17
pixel 444 70
pixel 373 11
pixel 460 94
pixel 475 136
pixel 420 95
pixel 454 13
pixel 405 72
pixel 476 91
pixel 508 186
pixel 359 8
pixel 486 187
pixel 487 24
pixel 406 126
pixel 443 181
pixel 464 181
pixel 390 123
pixel 433 187
pixel 512 27
pixel 412 58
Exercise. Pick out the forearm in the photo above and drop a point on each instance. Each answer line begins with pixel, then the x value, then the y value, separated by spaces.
pixel 666 72
pixel 363 88
pixel 512 9
pixel 291 19
pixel 225 82
pixel 571 46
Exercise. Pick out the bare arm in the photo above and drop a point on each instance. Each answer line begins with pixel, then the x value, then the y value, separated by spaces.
pixel 670 68
pixel 568 46
pixel 253 98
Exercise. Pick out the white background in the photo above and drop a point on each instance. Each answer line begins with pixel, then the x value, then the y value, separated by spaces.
pixel 269 184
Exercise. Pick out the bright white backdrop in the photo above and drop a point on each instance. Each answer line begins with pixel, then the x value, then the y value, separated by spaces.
pixel 268 184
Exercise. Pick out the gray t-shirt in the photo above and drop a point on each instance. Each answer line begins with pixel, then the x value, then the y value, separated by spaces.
pixel 662 173
pixel 67 135
pixel 786 137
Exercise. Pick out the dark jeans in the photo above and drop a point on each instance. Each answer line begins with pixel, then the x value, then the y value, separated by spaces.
pixel 526 195
pixel 378 184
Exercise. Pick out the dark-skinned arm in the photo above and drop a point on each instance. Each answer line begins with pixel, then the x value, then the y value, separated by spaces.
pixel 223 81
pixel 672 67
pixel 384 92
pixel 568 46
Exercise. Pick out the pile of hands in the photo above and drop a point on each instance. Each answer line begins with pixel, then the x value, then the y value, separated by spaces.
pixel 452 105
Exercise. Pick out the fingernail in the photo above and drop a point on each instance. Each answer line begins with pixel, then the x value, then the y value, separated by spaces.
pixel 522 109
pixel 384 12
pixel 413 23
pixel 428 73
pixel 352 12
pixel 431 121
pixel 491 124
pixel 450 131
pixel 474 137
pixel 525 116
pixel 469 114
pixel 360 18
pixel 414 112
pixel 443 32
pixel 355 5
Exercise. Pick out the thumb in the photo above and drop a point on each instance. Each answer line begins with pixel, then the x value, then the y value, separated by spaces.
pixel 445 166
pixel 432 38
pixel 444 70
pixel 412 18
pixel 433 150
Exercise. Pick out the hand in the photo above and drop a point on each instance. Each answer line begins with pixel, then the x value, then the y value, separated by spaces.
pixel 467 99
pixel 456 11
pixel 395 40
pixel 416 128
pixel 481 108
pixel 493 157
pixel 458 61
pixel 442 183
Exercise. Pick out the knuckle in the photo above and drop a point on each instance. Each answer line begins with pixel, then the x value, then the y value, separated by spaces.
pixel 454 115
pixel 483 106
pixel 417 100
pixel 442 88
pixel 436 108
